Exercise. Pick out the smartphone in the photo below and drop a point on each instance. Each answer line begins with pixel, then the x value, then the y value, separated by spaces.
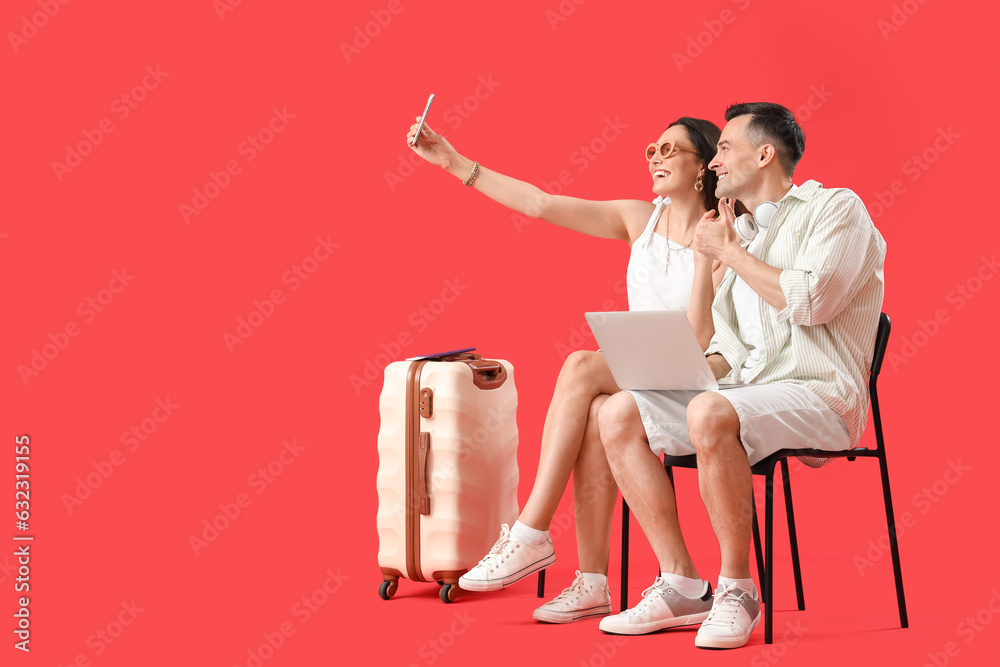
pixel 423 117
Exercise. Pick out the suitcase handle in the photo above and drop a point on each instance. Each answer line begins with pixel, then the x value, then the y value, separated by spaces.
pixel 461 356
pixel 423 502
pixel 487 373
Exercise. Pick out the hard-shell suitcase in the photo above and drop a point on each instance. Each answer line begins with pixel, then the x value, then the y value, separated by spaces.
pixel 447 477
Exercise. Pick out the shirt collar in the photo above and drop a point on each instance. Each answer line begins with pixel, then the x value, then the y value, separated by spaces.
pixel 804 192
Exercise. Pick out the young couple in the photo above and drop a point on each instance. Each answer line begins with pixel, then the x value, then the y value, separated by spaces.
pixel 793 327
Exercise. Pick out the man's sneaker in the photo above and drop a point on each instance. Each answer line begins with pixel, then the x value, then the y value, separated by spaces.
pixel 735 613
pixel 661 607
pixel 509 560
pixel 582 599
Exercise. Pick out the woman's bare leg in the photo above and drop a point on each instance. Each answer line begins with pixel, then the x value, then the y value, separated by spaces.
pixel 584 376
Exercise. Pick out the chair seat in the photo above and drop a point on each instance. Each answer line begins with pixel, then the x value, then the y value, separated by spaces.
pixel 762 466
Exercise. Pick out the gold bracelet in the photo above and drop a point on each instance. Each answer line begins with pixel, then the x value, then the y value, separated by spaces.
pixel 472 177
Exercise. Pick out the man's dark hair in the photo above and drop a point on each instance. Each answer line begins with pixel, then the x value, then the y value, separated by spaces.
pixel 773 124
pixel 704 135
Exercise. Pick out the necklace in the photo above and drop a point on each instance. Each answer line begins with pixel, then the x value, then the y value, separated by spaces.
pixel 666 269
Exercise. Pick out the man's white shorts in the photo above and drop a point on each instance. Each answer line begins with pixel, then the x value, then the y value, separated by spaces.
pixel 772 417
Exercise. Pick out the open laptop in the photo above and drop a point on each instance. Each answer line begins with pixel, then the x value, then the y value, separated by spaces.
pixel 652 349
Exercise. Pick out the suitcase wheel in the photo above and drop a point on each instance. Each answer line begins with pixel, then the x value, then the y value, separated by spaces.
pixel 448 593
pixel 387 589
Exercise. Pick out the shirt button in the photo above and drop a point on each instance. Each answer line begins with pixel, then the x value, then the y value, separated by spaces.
pixel 829 268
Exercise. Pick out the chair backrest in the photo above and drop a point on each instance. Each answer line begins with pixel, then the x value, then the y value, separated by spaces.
pixel 881 342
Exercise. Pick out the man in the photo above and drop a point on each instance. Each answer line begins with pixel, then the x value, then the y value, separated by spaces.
pixel 795 324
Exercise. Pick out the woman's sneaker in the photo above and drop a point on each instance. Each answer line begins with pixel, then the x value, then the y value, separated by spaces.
pixel 583 599
pixel 735 613
pixel 508 561
pixel 661 607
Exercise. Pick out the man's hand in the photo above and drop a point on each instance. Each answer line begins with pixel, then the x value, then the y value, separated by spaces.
pixel 715 235
pixel 720 367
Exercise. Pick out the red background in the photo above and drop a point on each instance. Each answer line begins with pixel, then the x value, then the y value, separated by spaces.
pixel 870 94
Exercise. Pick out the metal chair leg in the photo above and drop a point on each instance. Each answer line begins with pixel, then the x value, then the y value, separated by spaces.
pixel 624 582
pixel 761 572
pixel 893 543
pixel 768 553
pixel 792 538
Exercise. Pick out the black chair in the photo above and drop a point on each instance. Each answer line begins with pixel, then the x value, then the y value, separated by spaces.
pixel 765 561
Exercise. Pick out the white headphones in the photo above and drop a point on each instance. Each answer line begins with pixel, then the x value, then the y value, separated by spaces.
pixel 748 226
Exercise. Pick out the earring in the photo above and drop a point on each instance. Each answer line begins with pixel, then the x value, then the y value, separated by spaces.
pixel 699 186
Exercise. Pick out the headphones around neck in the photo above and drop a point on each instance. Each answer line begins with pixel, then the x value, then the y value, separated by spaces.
pixel 748 226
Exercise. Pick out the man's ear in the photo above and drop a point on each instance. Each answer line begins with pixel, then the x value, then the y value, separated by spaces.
pixel 766 155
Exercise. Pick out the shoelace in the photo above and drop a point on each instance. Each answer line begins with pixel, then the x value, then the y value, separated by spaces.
pixel 576 589
pixel 658 588
pixel 725 607
pixel 497 554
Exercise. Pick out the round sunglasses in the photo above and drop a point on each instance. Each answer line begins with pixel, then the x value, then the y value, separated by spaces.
pixel 666 149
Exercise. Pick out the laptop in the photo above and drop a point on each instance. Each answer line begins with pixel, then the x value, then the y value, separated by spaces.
pixel 652 349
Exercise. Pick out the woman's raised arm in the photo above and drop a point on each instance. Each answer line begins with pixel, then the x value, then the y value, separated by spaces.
pixel 616 219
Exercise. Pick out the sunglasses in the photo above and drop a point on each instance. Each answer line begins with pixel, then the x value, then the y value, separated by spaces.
pixel 666 149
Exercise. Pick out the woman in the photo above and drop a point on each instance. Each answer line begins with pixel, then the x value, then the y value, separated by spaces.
pixel 664 273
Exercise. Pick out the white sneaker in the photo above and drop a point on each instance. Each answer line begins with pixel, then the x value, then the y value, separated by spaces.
pixel 735 613
pixel 508 561
pixel 661 607
pixel 582 599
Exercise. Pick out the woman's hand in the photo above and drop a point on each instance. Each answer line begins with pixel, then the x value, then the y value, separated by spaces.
pixel 431 146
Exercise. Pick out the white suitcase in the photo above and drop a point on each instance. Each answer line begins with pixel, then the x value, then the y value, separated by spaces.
pixel 447 476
